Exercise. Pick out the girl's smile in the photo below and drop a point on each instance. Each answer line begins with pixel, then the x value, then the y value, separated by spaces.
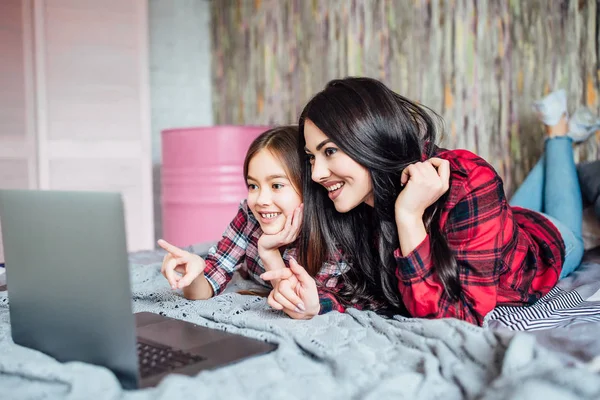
pixel 271 195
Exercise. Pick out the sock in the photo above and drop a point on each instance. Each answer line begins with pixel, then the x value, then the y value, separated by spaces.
pixel 552 107
pixel 582 124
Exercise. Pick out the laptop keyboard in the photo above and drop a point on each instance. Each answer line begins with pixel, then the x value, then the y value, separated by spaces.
pixel 154 360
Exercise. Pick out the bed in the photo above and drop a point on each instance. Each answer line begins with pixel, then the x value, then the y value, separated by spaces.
pixel 355 355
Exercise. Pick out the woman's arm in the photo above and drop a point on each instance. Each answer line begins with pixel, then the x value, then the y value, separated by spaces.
pixel 285 294
pixel 411 232
pixel 478 229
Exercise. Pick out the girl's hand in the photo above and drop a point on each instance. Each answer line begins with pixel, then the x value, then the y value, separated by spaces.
pixel 287 235
pixel 425 182
pixel 296 293
pixel 180 267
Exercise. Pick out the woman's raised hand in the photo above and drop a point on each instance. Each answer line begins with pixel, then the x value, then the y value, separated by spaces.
pixel 296 292
pixel 425 182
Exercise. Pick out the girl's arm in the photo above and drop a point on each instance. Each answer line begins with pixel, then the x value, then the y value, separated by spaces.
pixel 199 289
pixel 184 270
pixel 271 260
pixel 269 245
pixel 202 279
pixel 230 251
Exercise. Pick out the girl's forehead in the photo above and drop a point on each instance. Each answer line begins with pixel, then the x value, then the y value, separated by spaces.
pixel 264 156
pixel 265 164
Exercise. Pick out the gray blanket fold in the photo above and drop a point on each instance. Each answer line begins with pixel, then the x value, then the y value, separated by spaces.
pixel 356 355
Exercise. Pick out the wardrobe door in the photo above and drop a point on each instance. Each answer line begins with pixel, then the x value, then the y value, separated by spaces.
pixel 93 103
pixel 18 166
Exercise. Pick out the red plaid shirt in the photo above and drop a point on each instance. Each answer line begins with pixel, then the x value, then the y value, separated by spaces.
pixel 505 255
pixel 239 249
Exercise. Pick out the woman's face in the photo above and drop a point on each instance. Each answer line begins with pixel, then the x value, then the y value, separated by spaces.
pixel 271 196
pixel 347 182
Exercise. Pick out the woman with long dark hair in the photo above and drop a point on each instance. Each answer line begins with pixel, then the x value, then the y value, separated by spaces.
pixel 427 231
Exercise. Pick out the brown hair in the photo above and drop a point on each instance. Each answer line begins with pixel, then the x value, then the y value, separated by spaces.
pixel 282 142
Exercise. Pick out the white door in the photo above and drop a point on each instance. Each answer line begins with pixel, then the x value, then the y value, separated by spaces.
pixel 18 166
pixel 92 88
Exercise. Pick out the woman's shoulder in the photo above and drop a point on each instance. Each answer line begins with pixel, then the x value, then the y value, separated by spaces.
pixel 471 177
pixel 468 166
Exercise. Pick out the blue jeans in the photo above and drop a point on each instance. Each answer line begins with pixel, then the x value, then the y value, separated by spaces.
pixel 552 189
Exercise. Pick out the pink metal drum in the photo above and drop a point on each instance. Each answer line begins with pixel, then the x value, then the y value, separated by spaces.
pixel 202 180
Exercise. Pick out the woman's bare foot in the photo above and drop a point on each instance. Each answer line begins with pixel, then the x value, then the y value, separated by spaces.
pixel 560 129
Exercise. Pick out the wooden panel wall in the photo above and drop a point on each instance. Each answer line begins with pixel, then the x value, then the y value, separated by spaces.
pixel 480 64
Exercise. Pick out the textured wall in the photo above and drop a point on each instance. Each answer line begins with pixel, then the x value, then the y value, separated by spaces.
pixel 180 78
pixel 478 63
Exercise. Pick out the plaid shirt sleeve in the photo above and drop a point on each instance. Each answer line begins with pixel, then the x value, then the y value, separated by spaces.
pixel 229 252
pixel 328 283
pixel 329 302
pixel 479 227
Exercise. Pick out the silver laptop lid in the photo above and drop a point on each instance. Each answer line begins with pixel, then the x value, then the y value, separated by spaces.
pixel 68 278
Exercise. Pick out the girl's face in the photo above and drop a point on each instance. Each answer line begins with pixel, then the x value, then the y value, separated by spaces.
pixel 347 182
pixel 271 196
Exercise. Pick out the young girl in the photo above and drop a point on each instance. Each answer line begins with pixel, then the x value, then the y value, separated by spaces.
pixel 428 230
pixel 262 234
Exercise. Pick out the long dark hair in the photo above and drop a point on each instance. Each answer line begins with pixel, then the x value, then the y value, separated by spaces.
pixel 282 142
pixel 384 132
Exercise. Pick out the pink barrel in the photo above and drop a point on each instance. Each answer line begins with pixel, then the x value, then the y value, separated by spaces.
pixel 202 180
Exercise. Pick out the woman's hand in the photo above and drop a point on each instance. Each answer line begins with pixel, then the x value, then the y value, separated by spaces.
pixel 180 267
pixel 287 235
pixel 425 182
pixel 296 292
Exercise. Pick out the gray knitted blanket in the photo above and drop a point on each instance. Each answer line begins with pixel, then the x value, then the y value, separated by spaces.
pixel 355 355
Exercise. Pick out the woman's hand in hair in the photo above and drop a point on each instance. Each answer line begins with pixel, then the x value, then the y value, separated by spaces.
pixel 185 270
pixel 287 235
pixel 296 292
pixel 424 183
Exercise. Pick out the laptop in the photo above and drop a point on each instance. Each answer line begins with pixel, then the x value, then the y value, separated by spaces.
pixel 69 294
